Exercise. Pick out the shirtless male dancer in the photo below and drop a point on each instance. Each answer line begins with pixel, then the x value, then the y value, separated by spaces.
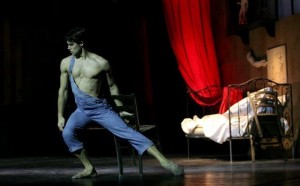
pixel 83 71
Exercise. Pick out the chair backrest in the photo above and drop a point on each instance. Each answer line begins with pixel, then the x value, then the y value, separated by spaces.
pixel 265 102
pixel 129 105
pixel 266 113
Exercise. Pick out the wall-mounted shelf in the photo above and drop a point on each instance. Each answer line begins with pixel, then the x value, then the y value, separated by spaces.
pixel 243 30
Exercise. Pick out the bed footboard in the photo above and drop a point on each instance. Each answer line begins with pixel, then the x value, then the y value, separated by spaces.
pixel 284 114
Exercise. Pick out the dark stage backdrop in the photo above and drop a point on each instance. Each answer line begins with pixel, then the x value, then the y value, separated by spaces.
pixel 131 34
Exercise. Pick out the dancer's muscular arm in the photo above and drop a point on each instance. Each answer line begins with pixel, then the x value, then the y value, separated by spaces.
pixel 62 93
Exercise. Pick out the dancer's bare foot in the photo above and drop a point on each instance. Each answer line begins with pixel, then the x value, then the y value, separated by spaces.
pixel 174 168
pixel 85 174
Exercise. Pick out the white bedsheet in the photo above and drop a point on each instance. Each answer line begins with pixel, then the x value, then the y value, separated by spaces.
pixel 216 126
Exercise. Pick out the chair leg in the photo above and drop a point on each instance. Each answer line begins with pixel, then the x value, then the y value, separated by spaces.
pixel 284 152
pixel 133 156
pixel 158 144
pixel 140 164
pixel 252 149
pixel 119 156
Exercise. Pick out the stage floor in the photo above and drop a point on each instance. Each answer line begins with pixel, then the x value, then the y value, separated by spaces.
pixel 54 171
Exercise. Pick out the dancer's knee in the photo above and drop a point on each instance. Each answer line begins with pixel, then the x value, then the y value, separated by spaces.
pixel 66 134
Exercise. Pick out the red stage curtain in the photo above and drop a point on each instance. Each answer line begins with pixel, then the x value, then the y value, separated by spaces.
pixel 189 28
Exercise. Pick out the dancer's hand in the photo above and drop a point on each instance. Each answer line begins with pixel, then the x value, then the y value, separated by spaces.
pixel 61 123
pixel 125 113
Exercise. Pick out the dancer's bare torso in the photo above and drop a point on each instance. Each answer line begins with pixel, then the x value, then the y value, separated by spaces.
pixel 89 73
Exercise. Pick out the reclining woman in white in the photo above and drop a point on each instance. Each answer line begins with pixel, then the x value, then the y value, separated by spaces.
pixel 216 126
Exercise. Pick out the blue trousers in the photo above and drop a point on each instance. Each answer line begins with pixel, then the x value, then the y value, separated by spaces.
pixel 98 110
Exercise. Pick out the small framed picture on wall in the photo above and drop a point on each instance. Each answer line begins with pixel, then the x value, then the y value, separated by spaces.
pixel 277 69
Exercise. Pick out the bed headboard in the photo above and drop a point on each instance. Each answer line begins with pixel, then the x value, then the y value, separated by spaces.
pixel 259 83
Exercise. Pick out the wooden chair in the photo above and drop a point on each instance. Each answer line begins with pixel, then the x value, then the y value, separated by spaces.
pixel 267 129
pixel 130 106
